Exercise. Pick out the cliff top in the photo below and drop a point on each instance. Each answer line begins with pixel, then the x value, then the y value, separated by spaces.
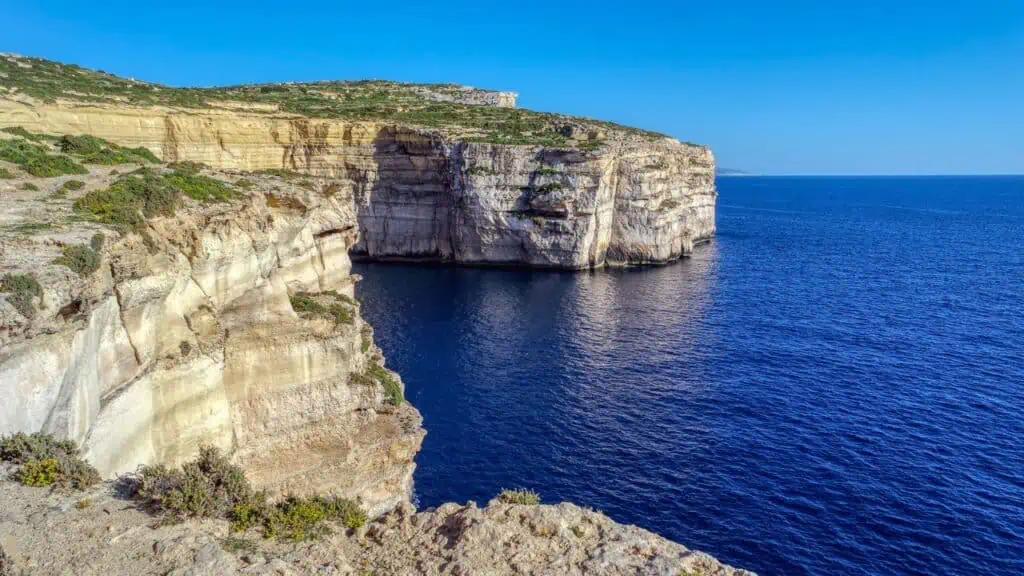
pixel 461 111
pixel 99 532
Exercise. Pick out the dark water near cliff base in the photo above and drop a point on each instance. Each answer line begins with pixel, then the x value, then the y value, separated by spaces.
pixel 835 385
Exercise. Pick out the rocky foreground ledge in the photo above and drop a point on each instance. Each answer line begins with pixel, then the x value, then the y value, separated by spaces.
pixel 96 532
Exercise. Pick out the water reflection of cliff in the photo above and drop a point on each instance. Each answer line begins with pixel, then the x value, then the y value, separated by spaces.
pixel 634 333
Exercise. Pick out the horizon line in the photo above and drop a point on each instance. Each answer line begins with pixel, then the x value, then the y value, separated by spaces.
pixel 879 175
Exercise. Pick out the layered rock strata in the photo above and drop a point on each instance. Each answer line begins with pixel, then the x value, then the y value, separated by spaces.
pixel 421 194
pixel 186 335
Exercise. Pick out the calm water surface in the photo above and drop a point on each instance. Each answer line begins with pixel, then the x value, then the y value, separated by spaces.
pixel 834 385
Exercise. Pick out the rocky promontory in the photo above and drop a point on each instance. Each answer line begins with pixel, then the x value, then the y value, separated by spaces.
pixel 436 173
pixel 175 273
pixel 99 533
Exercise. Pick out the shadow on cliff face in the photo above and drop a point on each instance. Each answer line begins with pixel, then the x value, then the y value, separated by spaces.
pixel 404 201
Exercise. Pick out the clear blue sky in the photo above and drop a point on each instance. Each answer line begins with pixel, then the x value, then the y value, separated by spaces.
pixel 772 86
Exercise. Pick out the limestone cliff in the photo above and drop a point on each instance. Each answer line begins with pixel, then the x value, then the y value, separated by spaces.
pixel 435 172
pixel 225 316
pixel 188 334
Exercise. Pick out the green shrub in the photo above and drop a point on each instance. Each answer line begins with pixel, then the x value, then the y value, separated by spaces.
pixel 46 461
pixel 207 487
pixel 73 185
pixel 200 187
pixel 187 167
pixel 19 131
pixel 82 145
pixel 245 184
pixel 95 150
pixel 299 519
pixel 82 259
pixel 29 187
pixel 6 174
pixel 23 288
pixel 75 473
pixel 392 389
pixel 519 496
pixel 129 201
pixel 34 159
pixel 308 306
pixel 50 166
pixel 38 473
pixel 211 487
pixel 546 171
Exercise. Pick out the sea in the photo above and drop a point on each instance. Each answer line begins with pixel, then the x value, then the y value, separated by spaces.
pixel 833 385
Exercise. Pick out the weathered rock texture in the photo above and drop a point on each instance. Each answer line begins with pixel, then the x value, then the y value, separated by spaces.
pixel 423 195
pixel 187 336
pixel 45 533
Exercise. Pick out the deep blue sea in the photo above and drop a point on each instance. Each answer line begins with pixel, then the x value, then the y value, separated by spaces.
pixel 834 385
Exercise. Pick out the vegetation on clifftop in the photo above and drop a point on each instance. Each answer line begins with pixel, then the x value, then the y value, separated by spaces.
pixel 212 487
pixel 519 496
pixel 147 193
pixel 354 100
pixel 22 289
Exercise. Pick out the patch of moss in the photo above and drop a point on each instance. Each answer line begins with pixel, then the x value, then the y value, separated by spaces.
pixel 308 306
pixel 245 184
pixel 28 187
pixel 669 204
pixel 6 174
pixel 546 171
pixel 23 289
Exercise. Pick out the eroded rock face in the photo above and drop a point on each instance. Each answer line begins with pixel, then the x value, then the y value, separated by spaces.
pixel 423 195
pixel 186 336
